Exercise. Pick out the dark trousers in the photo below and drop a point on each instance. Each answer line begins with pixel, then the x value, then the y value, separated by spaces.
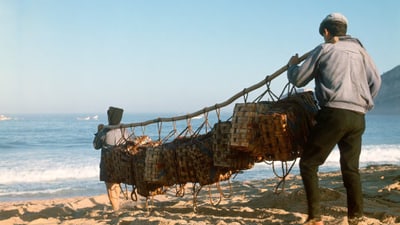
pixel 344 128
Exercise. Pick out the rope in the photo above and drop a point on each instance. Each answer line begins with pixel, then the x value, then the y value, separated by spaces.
pixel 159 127
pixel 181 191
pixel 245 95
pixel 218 112
pixel 268 91
pixel 133 193
pixel 125 193
pixel 230 189
pixel 211 200
pixel 285 173
pixel 195 194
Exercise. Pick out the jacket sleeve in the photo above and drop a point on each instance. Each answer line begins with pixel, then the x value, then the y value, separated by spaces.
pixel 373 77
pixel 301 75
pixel 99 139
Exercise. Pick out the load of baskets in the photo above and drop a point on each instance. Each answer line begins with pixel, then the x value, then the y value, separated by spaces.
pixel 257 131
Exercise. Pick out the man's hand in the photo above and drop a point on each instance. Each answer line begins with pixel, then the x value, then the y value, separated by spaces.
pixel 294 60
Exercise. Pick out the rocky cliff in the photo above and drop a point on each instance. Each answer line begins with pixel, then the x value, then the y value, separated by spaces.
pixel 388 99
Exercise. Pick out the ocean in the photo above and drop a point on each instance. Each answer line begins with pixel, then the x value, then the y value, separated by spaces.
pixel 45 156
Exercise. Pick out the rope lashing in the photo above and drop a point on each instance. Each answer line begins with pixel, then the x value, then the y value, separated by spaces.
pixel 245 95
pixel 159 127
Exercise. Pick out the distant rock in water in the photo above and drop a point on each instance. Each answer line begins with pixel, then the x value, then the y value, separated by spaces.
pixel 388 99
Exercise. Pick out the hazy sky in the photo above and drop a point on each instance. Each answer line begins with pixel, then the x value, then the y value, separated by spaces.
pixel 165 56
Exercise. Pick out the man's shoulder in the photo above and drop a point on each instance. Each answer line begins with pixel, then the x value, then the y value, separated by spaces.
pixel 114 131
pixel 99 138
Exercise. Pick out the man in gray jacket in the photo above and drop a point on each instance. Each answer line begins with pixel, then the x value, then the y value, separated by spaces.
pixel 346 82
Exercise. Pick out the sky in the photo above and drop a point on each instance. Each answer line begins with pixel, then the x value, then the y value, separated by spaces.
pixel 82 56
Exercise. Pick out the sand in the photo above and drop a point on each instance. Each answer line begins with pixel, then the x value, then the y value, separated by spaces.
pixel 249 202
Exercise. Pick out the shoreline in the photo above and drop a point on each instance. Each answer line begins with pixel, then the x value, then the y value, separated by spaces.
pixel 251 202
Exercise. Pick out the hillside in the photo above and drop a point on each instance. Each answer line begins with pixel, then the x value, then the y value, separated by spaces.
pixel 388 100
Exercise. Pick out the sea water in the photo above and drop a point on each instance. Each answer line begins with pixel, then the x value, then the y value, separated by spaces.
pixel 51 156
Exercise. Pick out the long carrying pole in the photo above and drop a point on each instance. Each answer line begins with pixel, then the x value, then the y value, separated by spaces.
pixel 211 108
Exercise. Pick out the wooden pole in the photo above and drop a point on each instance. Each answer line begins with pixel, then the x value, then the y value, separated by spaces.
pixel 211 108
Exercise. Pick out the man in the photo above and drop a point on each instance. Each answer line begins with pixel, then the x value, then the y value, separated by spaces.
pixel 346 81
pixel 106 140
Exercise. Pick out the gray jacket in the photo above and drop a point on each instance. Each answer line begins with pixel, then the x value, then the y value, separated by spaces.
pixel 345 75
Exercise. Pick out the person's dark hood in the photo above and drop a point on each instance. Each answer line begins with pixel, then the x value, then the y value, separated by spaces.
pixel 114 115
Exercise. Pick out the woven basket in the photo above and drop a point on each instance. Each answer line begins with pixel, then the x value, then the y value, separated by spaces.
pixel 226 156
pixel 202 157
pixel 242 161
pixel 280 133
pixel 243 115
pixel 138 164
pixel 177 156
pixel 122 160
pixel 118 162
pixel 221 150
pixel 214 174
pixel 190 159
pixel 108 171
pixel 155 167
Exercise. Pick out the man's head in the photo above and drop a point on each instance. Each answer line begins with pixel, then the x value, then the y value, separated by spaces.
pixel 114 115
pixel 335 24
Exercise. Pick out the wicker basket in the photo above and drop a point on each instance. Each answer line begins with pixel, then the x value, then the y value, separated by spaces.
pixel 243 115
pixel 190 159
pixel 177 156
pixel 274 130
pixel 138 164
pixel 202 157
pixel 107 174
pixel 122 160
pixel 242 161
pixel 118 162
pixel 214 174
pixel 155 167
pixel 221 150
pixel 281 133
pixel 226 156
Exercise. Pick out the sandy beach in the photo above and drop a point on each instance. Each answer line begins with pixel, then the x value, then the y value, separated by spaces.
pixel 249 202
